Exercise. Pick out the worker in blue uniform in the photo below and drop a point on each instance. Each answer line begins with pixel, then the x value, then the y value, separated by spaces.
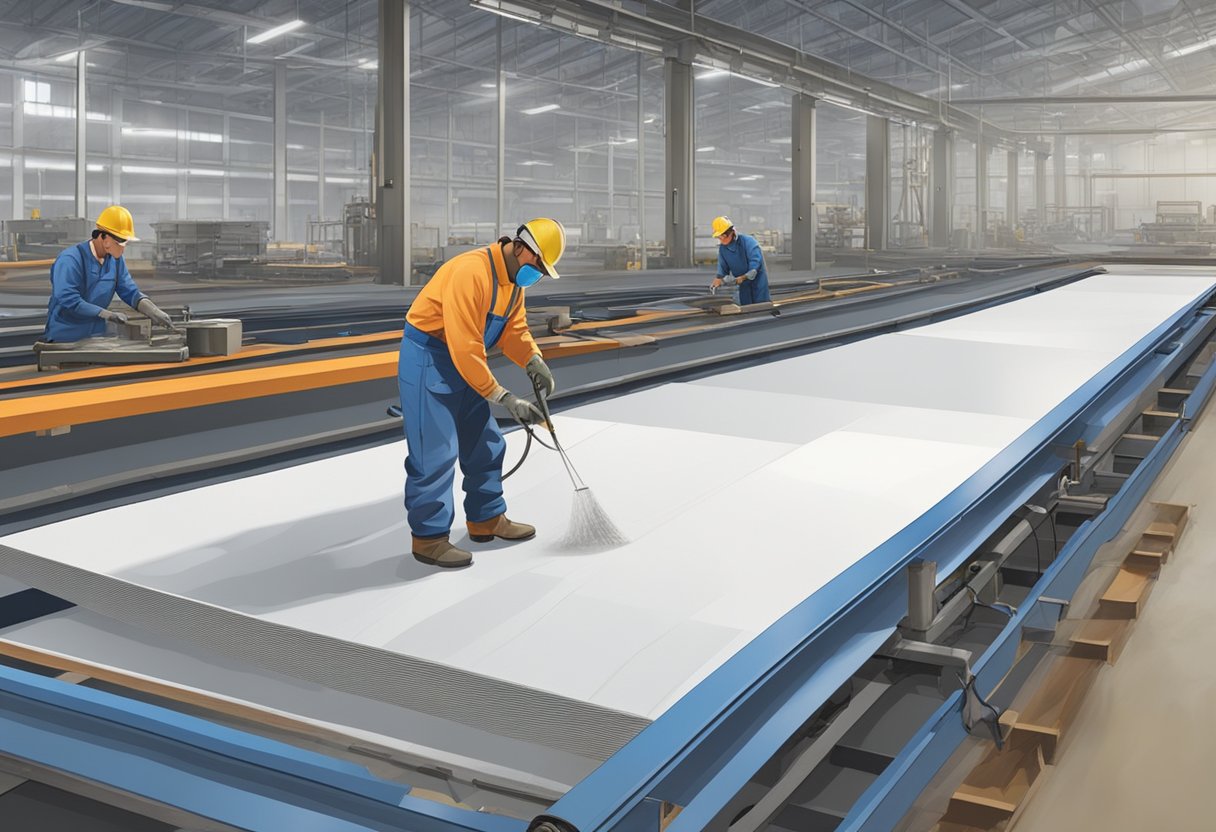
pixel 740 260
pixel 85 278
pixel 475 302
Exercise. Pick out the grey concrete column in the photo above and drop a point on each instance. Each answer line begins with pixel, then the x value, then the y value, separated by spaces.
pixel 878 181
pixel 1040 186
pixel 82 138
pixel 18 149
pixel 1060 168
pixel 942 178
pixel 802 168
pixel 981 194
pixel 393 144
pixel 279 226
pixel 321 169
pixel 641 164
pixel 1011 190
pixel 681 223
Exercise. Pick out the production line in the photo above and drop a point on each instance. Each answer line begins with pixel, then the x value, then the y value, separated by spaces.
pixel 766 506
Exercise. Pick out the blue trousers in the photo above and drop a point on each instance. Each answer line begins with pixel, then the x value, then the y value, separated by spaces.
pixel 754 291
pixel 446 421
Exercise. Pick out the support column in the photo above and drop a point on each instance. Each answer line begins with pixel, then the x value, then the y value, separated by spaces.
pixel 279 228
pixel 1060 168
pixel 182 208
pixel 680 221
pixel 501 156
pixel 981 194
pixel 802 248
pixel 226 182
pixel 641 165
pixel 321 170
pixel 942 175
pixel 393 144
pixel 878 181
pixel 82 138
pixel 19 149
pixel 1040 186
pixel 1011 190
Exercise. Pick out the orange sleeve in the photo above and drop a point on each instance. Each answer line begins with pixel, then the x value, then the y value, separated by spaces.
pixel 517 343
pixel 465 306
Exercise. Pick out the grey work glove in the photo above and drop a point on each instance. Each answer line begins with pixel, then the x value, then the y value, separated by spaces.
pixel 112 317
pixel 538 370
pixel 521 411
pixel 154 312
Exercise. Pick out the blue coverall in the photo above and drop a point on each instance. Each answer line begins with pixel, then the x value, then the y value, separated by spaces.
pixel 80 288
pixel 446 420
pixel 742 257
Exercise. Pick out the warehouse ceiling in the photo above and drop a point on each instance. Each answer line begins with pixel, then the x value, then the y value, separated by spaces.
pixel 972 51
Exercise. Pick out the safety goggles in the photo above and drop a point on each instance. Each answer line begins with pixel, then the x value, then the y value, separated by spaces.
pixel 525 237
pixel 119 240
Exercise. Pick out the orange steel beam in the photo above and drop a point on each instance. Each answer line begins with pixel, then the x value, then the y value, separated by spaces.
pixel 77 407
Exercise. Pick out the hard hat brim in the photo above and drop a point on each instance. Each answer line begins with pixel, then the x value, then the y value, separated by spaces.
pixel 117 234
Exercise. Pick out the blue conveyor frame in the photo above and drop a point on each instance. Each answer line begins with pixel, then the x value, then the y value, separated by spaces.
pixel 698 754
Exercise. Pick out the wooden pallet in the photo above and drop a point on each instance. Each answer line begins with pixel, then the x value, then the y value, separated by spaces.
pixel 996 790
pixel 1055 705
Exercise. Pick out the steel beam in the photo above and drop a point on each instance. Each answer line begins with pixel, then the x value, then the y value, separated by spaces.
pixel 981 194
pixel 18 211
pixel 1040 186
pixel 82 138
pixel 641 163
pixel 1058 170
pixel 803 173
pixel 280 151
pixel 1011 189
pixel 942 176
pixel 878 181
pixel 393 144
pixel 680 158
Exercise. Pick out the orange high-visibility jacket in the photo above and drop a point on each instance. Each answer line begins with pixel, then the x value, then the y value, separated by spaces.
pixel 453 307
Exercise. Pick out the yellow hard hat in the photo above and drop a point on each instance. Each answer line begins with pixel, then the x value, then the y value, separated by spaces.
pixel 547 239
pixel 722 225
pixel 117 220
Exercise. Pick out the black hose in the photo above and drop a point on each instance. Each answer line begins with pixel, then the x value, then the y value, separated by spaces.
pixel 543 406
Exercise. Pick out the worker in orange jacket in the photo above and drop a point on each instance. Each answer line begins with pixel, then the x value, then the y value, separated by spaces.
pixel 474 302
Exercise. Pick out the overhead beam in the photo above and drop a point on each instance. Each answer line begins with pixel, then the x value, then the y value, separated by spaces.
pixel 280 152
pixel 1186 98
pixel 82 137
pixel 661 28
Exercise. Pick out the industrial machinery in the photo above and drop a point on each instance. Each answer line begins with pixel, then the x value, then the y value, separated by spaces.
pixel 209 249
pixel 1178 222
pixel 38 239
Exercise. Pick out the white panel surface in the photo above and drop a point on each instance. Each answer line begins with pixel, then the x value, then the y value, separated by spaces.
pixel 742 495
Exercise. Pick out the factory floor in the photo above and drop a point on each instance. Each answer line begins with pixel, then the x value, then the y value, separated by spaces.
pixel 1143 751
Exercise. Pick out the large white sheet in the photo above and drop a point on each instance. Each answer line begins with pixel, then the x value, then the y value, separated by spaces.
pixel 742 494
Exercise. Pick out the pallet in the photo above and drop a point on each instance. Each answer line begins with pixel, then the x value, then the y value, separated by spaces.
pixel 1100 640
pixel 1127 594
pixel 1049 714
pixel 996 790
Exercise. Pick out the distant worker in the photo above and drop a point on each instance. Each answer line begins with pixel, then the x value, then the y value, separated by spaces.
pixel 85 277
pixel 740 259
pixel 474 302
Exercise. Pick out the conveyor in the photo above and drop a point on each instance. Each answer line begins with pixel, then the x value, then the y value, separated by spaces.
pixel 758 633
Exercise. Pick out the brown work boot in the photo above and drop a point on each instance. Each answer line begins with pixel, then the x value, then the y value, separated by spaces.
pixel 500 526
pixel 439 551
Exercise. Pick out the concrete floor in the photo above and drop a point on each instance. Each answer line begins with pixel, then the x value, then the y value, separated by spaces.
pixel 1142 754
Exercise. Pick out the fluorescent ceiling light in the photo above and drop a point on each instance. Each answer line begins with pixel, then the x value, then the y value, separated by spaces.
pixel 501 12
pixel 543 108
pixel 276 31
pixel 339 180
pixel 713 73
pixel 66 56
pixel 785 140
pixel 535 162
pixel 369 63
pixel 649 120
pixel 752 178
pixel 95 168
pixel 1192 49
pixel 706 149
pixel 621 141
pixel 489 86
